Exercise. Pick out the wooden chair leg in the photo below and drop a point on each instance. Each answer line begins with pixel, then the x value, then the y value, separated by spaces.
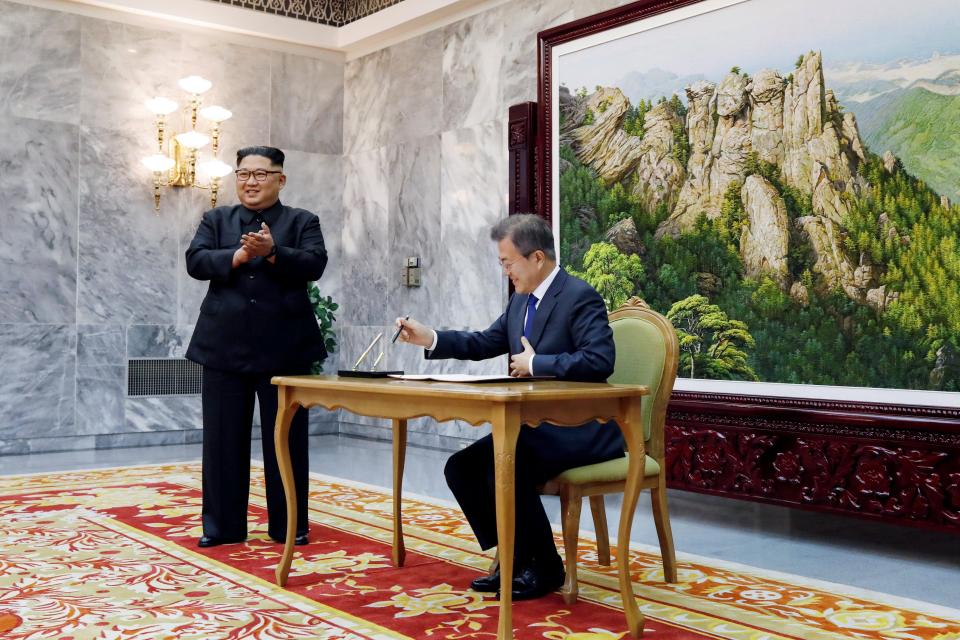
pixel 600 527
pixel 661 518
pixel 570 502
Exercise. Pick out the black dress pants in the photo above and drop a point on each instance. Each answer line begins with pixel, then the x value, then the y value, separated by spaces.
pixel 542 453
pixel 228 403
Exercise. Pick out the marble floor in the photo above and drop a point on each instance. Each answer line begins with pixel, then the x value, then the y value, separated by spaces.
pixel 911 563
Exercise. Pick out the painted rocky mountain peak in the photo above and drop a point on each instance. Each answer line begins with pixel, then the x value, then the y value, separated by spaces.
pixel 793 123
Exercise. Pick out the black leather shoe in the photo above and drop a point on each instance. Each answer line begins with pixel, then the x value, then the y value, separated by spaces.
pixel 210 541
pixel 532 583
pixel 300 540
pixel 488 583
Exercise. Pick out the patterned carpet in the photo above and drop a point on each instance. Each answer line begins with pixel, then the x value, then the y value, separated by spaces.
pixel 112 554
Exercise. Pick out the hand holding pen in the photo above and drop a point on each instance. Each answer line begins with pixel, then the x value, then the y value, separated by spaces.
pixel 413 332
pixel 399 327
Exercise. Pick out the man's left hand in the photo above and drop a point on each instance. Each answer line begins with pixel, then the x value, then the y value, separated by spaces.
pixel 258 244
pixel 520 363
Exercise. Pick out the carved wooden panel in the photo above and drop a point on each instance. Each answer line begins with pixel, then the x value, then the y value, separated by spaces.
pixel 335 13
pixel 522 147
pixel 900 464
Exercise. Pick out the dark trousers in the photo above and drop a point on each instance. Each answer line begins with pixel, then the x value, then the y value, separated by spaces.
pixel 542 453
pixel 228 403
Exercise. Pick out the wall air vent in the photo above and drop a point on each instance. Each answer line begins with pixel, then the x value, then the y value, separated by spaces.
pixel 163 377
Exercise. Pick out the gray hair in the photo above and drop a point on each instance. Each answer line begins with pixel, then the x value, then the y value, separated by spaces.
pixel 528 232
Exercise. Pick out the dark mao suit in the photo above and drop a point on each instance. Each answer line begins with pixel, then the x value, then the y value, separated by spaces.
pixel 255 322
pixel 573 341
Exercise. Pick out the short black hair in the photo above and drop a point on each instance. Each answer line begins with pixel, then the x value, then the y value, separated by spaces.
pixel 528 232
pixel 271 153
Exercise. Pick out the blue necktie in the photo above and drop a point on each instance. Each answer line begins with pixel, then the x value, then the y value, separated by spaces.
pixel 531 312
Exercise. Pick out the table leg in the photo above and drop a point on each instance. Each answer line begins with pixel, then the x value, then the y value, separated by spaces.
pixel 506 428
pixel 632 427
pixel 281 442
pixel 399 454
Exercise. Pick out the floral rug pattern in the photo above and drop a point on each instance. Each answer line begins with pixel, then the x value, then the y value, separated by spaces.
pixel 112 553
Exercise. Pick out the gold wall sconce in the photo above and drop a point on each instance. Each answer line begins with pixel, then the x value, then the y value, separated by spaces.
pixel 178 161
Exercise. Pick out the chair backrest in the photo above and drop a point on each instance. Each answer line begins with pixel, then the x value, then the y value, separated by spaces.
pixel 647 353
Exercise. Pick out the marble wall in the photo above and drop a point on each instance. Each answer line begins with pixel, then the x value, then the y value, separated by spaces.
pixel 400 152
pixel 425 173
pixel 91 275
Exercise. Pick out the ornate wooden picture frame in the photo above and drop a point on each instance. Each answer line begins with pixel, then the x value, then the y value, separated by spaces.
pixel 897 462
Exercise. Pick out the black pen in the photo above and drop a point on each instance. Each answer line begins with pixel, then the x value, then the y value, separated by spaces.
pixel 399 329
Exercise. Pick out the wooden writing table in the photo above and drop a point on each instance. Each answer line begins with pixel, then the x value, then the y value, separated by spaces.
pixel 506 406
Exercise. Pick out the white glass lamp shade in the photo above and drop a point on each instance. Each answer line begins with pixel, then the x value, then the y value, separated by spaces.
pixel 213 113
pixel 161 106
pixel 215 168
pixel 195 85
pixel 158 163
pixel 193 139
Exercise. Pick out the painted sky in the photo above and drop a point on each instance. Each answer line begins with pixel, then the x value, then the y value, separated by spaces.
pixel 771 33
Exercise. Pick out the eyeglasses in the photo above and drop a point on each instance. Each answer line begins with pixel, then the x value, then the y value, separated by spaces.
pixel 260 175
pixel 507 265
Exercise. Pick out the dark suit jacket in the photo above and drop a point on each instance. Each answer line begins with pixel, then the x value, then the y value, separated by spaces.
pixel 257 318
pixel 572 337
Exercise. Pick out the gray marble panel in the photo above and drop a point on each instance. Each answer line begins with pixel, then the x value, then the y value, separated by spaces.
pixel 370 277
pixel 157 341
pixel 523 19
pixel 471 71
pixel 423 438
pixel 39 63
pixel 101 379
pixel 240 83
pixel 332 363
pixel 585 8
pixel 127 262
pixel 163 413
pixel 365 102
pixel 473 199
pixel 190 292
pixel 323 421
pixel 122 67
pixel 101 345
pixel 306 111
pixel 315 183
pixel 38 246
pixel 60 443
pixel 15 447
pixel 414 207
pixel 350 427
pixel 37 389
pixel 452 444
pixel 141 439
pixel 100 398
pixel 415 95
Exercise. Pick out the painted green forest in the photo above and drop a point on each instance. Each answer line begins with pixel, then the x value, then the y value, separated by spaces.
pixel 798 325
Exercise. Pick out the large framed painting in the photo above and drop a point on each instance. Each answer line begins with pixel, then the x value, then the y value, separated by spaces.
pixel 781 180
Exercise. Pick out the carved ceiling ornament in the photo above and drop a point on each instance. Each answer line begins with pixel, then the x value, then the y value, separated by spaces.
pixel 334 13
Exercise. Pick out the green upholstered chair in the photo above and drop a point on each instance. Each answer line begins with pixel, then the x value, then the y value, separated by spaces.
pixel 647 354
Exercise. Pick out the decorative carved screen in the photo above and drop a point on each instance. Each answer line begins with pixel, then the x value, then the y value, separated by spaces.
pixel 335 13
